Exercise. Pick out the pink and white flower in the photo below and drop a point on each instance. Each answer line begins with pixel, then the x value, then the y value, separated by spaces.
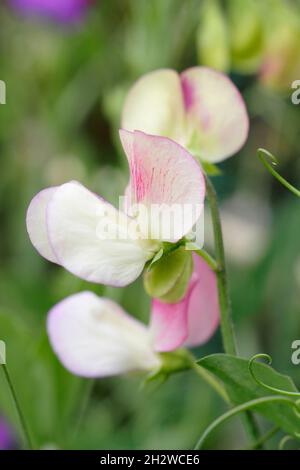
pixel 95 337
pixel 200 108
pixel 73 227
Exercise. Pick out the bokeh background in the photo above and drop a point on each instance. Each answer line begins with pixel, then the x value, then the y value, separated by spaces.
pixel 65 88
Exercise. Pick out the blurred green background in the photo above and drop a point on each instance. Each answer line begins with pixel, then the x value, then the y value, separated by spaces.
pixel 65 88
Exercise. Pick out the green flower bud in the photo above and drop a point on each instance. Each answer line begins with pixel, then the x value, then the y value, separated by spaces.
pixel 212 37
pixel 245 24
pixel 281 63
pixel 168 278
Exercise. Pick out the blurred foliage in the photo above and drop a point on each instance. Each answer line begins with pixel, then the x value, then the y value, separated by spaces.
pixel 251 37
pixel 65 87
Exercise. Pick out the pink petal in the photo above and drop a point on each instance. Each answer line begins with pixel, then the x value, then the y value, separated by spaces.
pixel 169 323
pixel 216 113
pixel 165 175
pixel 193 320
pixel 203 307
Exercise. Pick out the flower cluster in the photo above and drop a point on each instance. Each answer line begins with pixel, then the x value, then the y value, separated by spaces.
pixel 238 38
pixel 171 123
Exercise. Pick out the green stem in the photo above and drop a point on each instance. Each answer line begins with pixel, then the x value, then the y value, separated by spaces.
pixel 238 409
pixel 227 330
pixel 84 405
pixel 18 408
pixel 265 438
pixel 210 379
pixel 208 258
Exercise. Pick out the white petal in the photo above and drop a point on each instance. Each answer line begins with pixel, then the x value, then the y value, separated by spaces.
pixel 36 223
pixel 94 337
pixel 155 105
pixel 90 237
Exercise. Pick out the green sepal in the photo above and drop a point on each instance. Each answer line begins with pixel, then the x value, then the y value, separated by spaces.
pixel 169 276
pixel 158 255
pixel 171 363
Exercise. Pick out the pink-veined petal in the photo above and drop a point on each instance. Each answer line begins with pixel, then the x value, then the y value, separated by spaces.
pixel 166 182
pixel 155 105
pixel 91 239
pixel 36 223
pixel 94 337
pixel 217 117
pixel 194 319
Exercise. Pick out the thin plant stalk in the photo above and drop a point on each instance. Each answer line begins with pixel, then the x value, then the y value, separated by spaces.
pixel 227 329
pixel 22 420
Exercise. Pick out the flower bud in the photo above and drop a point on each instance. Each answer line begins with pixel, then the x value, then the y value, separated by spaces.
pixel 168 278
pixel 246 35
pixel 212 37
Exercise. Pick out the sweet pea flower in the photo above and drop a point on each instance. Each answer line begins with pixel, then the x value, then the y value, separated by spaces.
pixel 63 11
pixel 95 337
pixel 73 227
pixel 200 108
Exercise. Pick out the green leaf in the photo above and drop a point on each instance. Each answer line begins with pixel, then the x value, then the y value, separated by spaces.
pixel 241 387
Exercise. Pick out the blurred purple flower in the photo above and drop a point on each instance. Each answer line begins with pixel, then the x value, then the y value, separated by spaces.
pixel 63 11
pixel 6 436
